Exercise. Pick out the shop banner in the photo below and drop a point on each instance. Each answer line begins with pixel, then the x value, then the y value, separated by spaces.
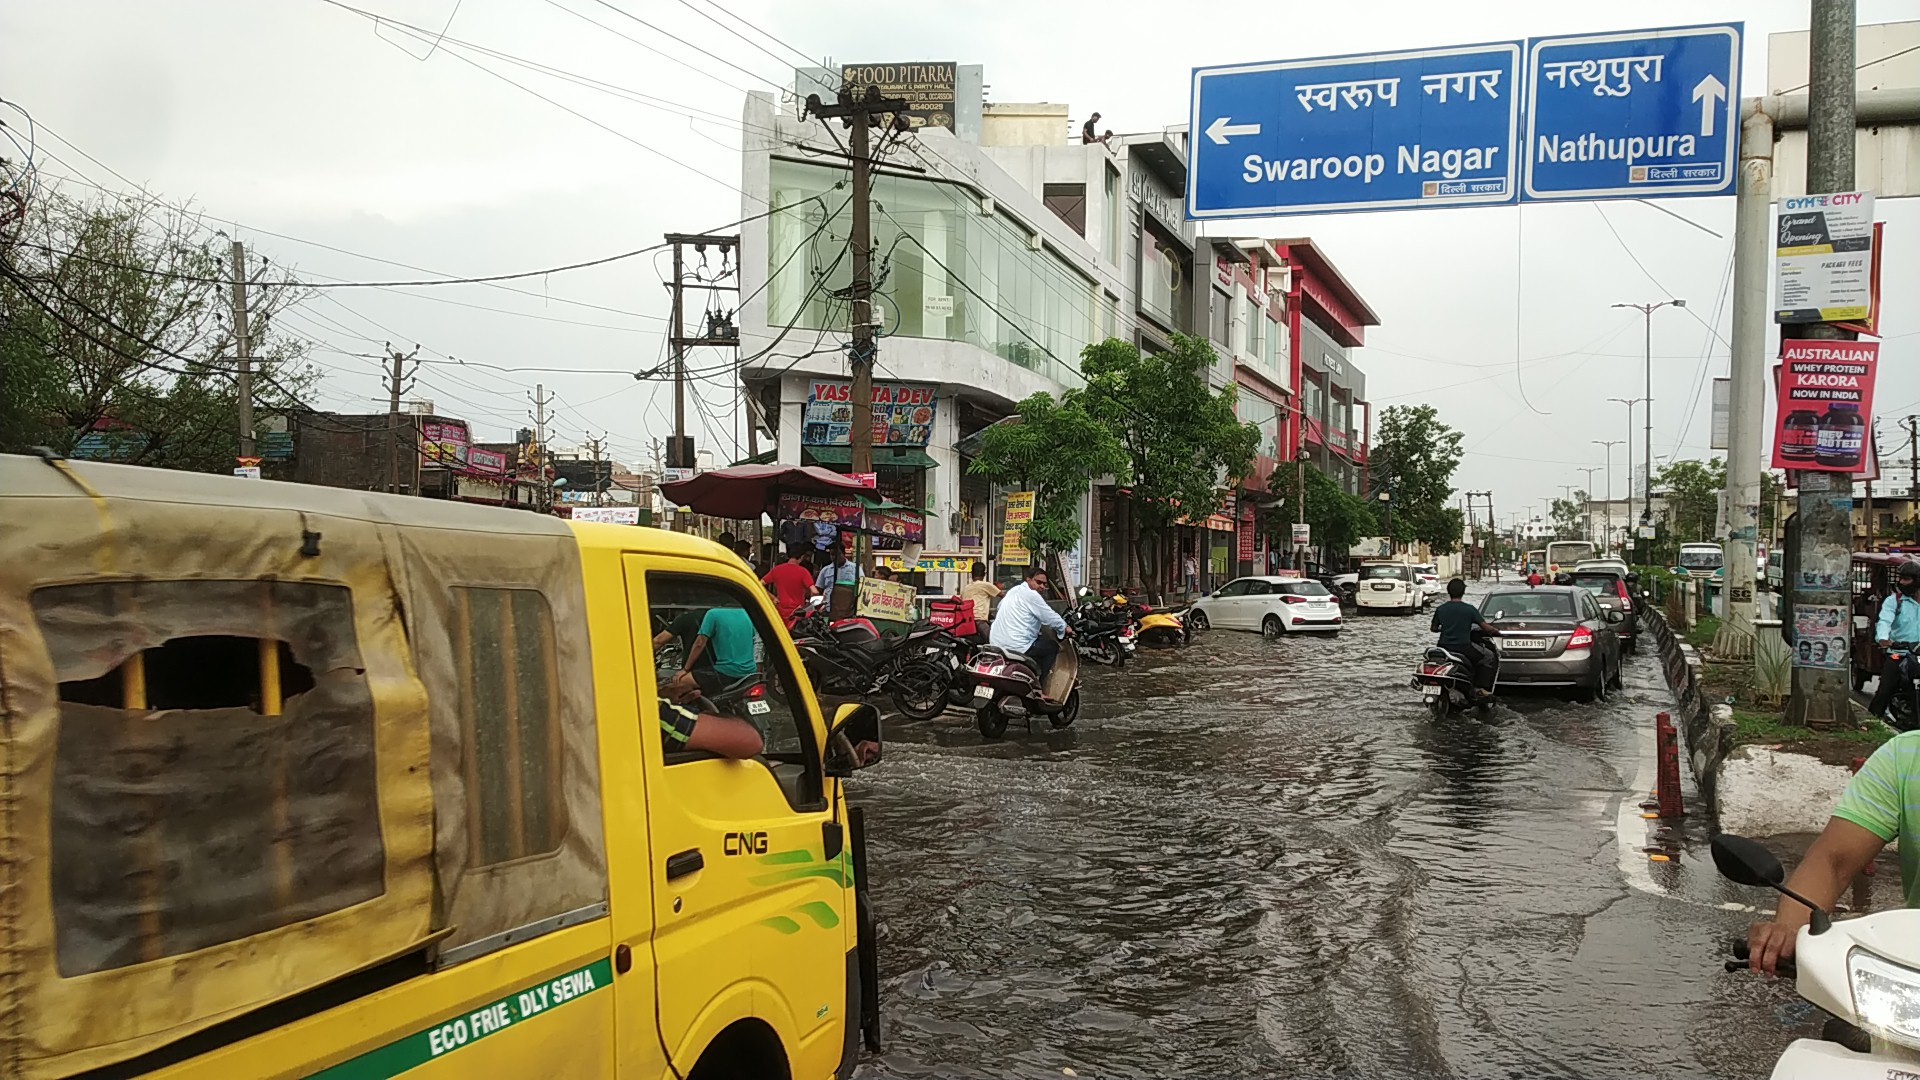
pixel 1019 507
pixel 1302 535
pixel 930 564
pixel 927 86
pixel 486 461
pixel 443 443
pixel 613 515
pixel 888 600
pixel 894 529
pixel 1824 252
pixel 902 414
pixel 846 513
pixel 1246 541
pixel 1825 404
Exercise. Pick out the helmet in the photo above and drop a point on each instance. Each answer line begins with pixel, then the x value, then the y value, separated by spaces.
pixel 1909 571
pixel 1563 578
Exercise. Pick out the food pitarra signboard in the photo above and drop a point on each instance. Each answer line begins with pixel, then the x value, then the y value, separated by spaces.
pixel 1824 251
pixel 1635 114
pixel 1825 404
pixel 926 87
pixel 902 414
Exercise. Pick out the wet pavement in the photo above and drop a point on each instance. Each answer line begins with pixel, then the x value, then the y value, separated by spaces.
pixel 1255 858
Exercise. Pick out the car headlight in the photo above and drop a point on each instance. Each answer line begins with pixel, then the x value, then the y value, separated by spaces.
pixel 1886 996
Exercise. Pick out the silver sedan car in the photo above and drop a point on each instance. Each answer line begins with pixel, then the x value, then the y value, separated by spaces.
pixel 1555 636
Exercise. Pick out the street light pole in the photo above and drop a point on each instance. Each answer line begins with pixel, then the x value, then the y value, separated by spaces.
pixel 1646 313
pixel 1587 507
pixel 1629 403
pixel 1609 444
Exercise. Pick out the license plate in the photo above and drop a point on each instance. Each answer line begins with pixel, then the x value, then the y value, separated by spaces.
pixel 1429 691
pixel 983 693
pixel 1524 645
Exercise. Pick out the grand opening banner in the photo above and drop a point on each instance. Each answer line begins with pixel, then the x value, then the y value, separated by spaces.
pixel 1825 404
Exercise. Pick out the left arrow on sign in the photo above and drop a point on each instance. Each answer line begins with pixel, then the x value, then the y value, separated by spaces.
pixel 1224 128
pixel 1707 92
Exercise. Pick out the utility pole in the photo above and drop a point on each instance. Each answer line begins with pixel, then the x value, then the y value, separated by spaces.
pixel 717 327
pixel 399 378
pixel 243 354
pixel 1913 465
pixel 1629 403
pixel 541 399
pixel 859 108
pixel 594 448
pixel 1820 694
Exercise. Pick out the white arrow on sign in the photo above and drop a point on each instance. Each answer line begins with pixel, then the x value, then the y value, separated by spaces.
pixel 1224 128
pixel 1707 91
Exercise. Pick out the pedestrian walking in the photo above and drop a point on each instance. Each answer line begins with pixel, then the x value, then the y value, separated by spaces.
pixel 1192 568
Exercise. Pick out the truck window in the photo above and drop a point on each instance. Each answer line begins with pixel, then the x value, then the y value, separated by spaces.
pixel 214 772
pixel 509 701
pixel 749 676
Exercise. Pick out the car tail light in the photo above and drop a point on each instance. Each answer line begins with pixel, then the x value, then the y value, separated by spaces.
pixel 1582 638
pixel 1622 587
pixel 1292 599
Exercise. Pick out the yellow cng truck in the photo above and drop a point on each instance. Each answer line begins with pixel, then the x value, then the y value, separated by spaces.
pixel 306 782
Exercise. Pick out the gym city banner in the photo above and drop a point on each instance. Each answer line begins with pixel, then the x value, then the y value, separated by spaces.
pixel 1826 404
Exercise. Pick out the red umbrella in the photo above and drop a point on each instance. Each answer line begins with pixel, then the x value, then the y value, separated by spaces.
pixel 744 492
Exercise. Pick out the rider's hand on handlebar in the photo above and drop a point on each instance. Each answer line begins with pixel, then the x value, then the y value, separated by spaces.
pixel 1883 643
pixel 1768 943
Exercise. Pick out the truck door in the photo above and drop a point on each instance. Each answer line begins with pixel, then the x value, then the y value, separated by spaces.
pixel 753 901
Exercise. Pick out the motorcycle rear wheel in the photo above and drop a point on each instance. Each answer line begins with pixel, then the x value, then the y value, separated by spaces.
pixel 920 689
pixel 991 720
pixel 1441 705
pixel 1069 712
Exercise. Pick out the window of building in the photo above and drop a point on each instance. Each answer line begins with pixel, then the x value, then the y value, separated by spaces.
pixel 1220 319
pixel 504 658
pixel 1116 214
pixel 1068 203
pixel 214 773
pixel 1258 411
pixel 1271 333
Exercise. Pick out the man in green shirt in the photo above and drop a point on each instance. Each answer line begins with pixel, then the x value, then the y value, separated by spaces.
pixel 1881 804
pixel 1455 621
pixel 726 632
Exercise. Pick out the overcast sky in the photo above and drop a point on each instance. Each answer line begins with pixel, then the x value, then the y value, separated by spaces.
pixel 302 118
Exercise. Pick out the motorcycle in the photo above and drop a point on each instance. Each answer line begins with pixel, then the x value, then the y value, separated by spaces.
pixel 850 658
pixel 1864 971
pixel 1903 709
pixel 1104 632
pixel 1003 678
pixel 1445 681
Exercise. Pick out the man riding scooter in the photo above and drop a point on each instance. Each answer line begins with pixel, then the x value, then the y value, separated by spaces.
pixel 1899 621
pixel 1455 621
pixel 1020 617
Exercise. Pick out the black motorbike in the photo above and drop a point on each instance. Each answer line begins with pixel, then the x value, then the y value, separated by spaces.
pixel 1903 709
pixel 1446 684
pixel 850 658
pixel 1103 631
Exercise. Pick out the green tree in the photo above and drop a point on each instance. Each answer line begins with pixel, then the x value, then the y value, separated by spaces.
pixel 1693 496
pixel 1054 449
pixel 115 318
pixel 1413 460
pixel 1185 446
pixel 1336 519
pixel 1568 517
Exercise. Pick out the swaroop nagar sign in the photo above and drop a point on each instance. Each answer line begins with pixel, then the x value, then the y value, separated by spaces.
pixel 1636 114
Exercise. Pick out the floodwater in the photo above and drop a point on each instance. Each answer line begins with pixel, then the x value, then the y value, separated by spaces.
pixel 1255 858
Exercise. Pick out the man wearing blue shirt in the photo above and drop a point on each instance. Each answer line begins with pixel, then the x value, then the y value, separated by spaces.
pixel 1018 619
pixel 1899 621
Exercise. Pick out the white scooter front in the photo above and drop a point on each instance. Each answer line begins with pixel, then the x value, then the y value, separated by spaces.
pixel 1864 971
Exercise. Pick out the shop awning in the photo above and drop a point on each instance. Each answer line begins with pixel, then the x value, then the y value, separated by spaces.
pixel 900 456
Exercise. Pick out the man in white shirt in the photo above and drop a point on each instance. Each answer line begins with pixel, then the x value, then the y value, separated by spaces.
pixel 1021 614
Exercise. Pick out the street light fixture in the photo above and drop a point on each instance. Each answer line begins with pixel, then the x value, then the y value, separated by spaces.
pixel 1646 312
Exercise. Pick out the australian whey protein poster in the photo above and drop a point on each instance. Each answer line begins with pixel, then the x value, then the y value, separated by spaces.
pixel 1826 405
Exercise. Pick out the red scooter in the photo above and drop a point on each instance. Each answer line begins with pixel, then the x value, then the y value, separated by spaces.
pixel 1007 683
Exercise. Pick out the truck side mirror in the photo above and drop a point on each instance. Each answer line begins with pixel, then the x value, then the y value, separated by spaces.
pixel 853 739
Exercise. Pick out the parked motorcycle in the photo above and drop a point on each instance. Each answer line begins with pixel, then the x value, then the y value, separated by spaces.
pixel 1903 709
pixel 1445 681
pixel 850 658
pixel 1005 680
pixel 1103 632
pixel 1864 971
pixel 1156 626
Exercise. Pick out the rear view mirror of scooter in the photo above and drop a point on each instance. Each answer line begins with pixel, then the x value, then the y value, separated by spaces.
pixel 1749 862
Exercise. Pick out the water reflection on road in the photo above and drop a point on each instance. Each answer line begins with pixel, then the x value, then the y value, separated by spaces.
pixel 1263 858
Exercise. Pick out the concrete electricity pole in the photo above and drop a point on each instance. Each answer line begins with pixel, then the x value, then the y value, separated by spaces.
pixel 398 380
pixel 541 399
pixel 1821 695
pixel 243 353
pixel 1913 466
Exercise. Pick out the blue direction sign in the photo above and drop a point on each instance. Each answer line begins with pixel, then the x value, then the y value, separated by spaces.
pixel 1640 114
pixel 1431 127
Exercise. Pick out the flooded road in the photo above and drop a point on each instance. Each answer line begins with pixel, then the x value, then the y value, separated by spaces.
pixel 1260 858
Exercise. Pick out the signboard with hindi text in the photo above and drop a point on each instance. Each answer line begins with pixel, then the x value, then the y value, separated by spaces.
pixel 887 600
pixel 902 413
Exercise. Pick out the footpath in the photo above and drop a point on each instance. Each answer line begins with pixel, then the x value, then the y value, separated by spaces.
pixel 1762 776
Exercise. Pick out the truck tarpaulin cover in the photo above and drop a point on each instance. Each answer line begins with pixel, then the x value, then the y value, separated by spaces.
pixel 1825 405
pixel 240 757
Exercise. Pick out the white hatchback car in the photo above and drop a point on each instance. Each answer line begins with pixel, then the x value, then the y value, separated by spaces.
pixel 1271 605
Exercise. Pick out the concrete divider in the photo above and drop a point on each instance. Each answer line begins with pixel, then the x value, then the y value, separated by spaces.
pixel 1707 738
